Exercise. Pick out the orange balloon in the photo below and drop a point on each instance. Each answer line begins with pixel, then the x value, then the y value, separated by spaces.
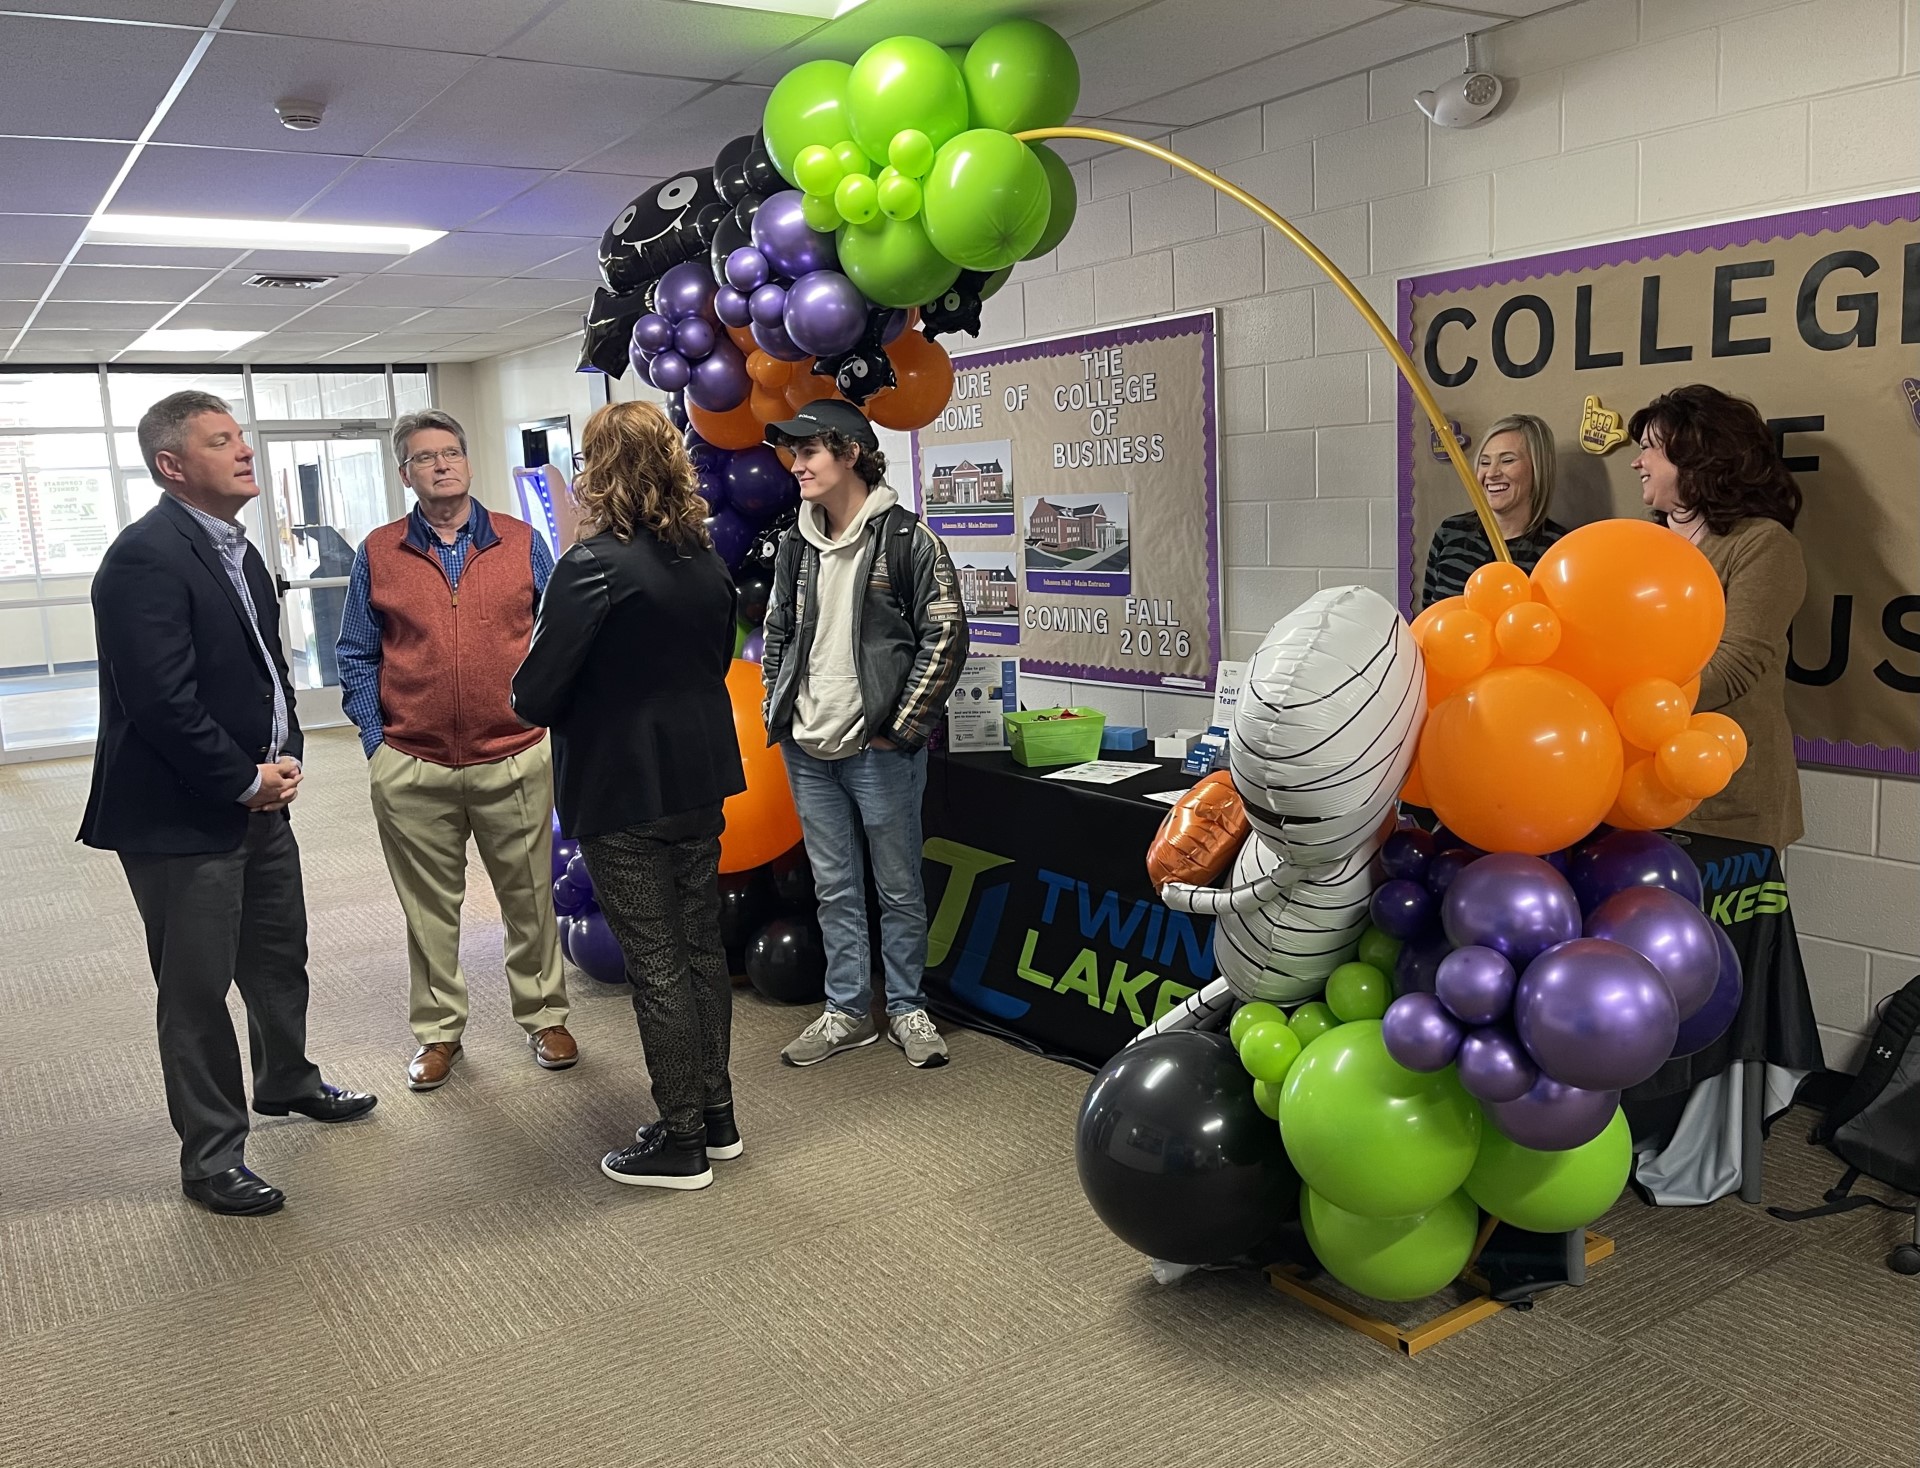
pixel 1727 731
pixel 1497 586
pixel 1201 834
pixel 769 405
pixel 742 337
pixel 1635 601
pixel 768 371
pixel 1694 763
pixel 1419 625
pixel 1527 632
pixel 1645 804
pixel 761 820
pixel 1414 792
pixel 736 428
pixel 924 381
pixel 807 386
pixel 1521 759
pixel 1459 644
pixel 1650 712
pixel 1691 690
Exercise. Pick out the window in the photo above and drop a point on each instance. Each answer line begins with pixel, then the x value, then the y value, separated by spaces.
pixel 412 393
pixel 283 395
pixel 50 399
pixel 130 394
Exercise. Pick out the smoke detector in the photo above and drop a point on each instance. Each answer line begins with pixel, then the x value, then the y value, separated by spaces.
pixel 1465 100
pixel 301 117
pixel 289 282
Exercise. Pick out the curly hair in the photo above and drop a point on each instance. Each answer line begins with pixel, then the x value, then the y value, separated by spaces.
pixel 869 464
pixel 635 475
pixel 1729 464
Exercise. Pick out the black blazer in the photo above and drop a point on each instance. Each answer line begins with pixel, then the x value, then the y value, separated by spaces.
pixel 186 708
pixel 628 668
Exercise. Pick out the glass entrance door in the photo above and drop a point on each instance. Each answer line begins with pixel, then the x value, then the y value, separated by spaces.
pixel 320 495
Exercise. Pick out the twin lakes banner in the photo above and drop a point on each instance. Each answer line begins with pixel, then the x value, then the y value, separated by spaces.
pixel 1076 483
pixel 1815 317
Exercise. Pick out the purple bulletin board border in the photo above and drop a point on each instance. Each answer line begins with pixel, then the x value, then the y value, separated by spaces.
pixel 1193 323
pixel 1762 229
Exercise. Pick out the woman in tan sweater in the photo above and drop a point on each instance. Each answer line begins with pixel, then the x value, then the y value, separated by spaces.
pixel 1710 471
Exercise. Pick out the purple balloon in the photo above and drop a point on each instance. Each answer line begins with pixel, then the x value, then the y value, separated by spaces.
pixel 759 486
pixel 768 305
pixel 731 307
pixel 595 950
pixel 1406 854
pixel 685 290
pixel 1668 931
pixel 1476 984
pixel 1595 1014
pixel 1417 966
pixel 826 314
pixel 1561 861
pixel 653 332
pixel 694 338
pixel 677 410
pixel 732 536
pixel 1402 909
pixel 771 337
pixel 669 371
pixel 1516 904
pixel 710 478
pixel 696 445
pixel 1623 859
pixel 896 323
pixel 1419 1033
pixel 578 874
pixel 1494 1067
pixel 1552 1117
pixel 720 382
pixel 1446 867
pixel 1714 1018
pixel 792 247
pixel 755 647
pixel 568 897
pixel 747 269
pixel 564 851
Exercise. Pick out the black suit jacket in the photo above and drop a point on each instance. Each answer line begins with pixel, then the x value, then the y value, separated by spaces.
pixel 186 705
pixel 628 668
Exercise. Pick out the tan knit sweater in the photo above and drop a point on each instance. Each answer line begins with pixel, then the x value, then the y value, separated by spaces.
pixel 1760 565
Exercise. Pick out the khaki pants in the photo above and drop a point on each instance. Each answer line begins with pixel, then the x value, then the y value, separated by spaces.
pixel 425 813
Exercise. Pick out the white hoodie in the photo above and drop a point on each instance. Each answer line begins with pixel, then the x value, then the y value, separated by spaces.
pixel 828 719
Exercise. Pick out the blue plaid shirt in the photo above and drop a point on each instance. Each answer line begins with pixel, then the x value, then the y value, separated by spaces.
pixel 361 630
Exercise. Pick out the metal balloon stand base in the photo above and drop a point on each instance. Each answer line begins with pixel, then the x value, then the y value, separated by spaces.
pixel 1493 1294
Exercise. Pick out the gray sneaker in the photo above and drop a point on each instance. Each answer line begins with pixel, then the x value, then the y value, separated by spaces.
pixel 914 1033
pixel 828 1036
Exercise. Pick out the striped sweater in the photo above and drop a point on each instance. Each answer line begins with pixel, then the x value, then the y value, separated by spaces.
pixel 1460 547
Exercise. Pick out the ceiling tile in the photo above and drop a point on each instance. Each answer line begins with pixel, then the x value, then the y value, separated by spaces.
pixel 79 79
pixel 455 320
pixel 38 238
pixel 534 115
pixel 45 177
pixel 687 137
pixel 400 191
pixel 13 316
pixel 368 91
pixel 29 282
pixel 315 262
pixel 128 283
pixel 582 265
pixel 356 318
pixel 231 289
pixel 409 290
pixel 567 203
pixel 93 344
pixel 233 183
pixel 190 257
pixel 664 37
pixel 476 27
pixel 534 295
pixel 488 255
pixel 264 317
pixel 294 349
pixel 87 315
pixel 157 12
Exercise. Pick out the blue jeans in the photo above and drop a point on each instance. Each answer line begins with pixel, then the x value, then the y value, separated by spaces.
pixel 875 793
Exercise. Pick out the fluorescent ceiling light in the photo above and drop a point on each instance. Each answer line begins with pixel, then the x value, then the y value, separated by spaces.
pixel 818 9
pixel 257 234
pixel 192 339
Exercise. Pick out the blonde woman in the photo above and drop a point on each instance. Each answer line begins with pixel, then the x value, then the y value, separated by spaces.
pixel 628 669
pixel 1516 470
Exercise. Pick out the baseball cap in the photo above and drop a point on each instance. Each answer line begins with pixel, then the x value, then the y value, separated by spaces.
pixel 825 415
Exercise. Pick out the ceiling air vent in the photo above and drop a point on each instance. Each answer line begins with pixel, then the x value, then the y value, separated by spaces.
pixel 290 282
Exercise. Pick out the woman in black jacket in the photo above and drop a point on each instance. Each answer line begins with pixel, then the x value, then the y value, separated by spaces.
pixel 628 669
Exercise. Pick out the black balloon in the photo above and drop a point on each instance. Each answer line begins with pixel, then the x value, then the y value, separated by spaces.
pixel 762 177
pixel 766 542
pixel 957 309
pixel 744 211
pixel 755 585
pixel 729 236
pixel 787 963
pixel 644 240
pixel 793 881
pixel 607 328
pixel 729 175
pixel 866 368
pixel 746 902
pixel 1175 1157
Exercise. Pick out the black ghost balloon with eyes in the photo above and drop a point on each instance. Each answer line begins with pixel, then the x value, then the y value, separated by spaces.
pixel 607 327
pixel 957 309
pixel 762 177
pixel 645 239
pixel 865 368
pixel 729 169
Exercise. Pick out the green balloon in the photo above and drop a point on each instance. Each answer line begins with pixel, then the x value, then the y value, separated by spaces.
pixel 987 201
pixel 993 282
pixel 911 152
pixel 1551 1192
pixel 1379 950
pixel 1392 1258
pixel 1259 1012
pixel 1358 991
pixel 807 106
pixel 741 631
pixel 1268 1050
pixel 1065 196
pixel 1369 1134
pixel 1267 1098
pixel 820 212
pixel 1021 74
pixel 851 159
pixel 900 83
pixel 816 170
pixel 857 199
pixel 899 195
pixel 894 263
pixel 1311 1021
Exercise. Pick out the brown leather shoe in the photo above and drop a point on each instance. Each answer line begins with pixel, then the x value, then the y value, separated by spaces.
pixel 432 1064
pixel 553 1047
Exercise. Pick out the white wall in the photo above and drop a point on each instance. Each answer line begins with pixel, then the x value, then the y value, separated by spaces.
pixel 1622 117
pixel 494 396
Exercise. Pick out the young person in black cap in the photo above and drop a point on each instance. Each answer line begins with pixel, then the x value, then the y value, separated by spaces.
pixel 865 640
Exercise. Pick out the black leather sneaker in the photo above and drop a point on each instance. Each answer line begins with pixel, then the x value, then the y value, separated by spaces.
pixel 723 1137
pixel 658 1159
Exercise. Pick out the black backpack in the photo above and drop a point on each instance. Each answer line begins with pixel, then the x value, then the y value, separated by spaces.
pixel 1875 1125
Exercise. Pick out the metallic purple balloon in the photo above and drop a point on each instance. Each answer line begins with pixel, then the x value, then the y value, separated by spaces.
pixel 1623 859
pixel 653 333
pixel 747 270
pixel 1714 1018
pixel 1419 1033
pixel 1669 932
pixel 685 290
pixel 1402 909
pixel 669 372
pixel 792 247
pixel 1406 854
pixel 1595 1014
pixel 1476 984
pixel 826 313
pixel 694 338
pixel 772 338
pixel 759 486
pixel 720 382
pixel 731 307
pixel 1552 1117
pixel 768 304
pixel 710 478
pixel 732 537
pixel 1516 904
pixel 1417 966
pixel 677 410
pixel 896 323
pixel 1493 1066
pixel 755 647
pixel 1446 867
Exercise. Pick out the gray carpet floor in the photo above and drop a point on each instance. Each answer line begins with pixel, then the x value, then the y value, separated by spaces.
pixel 900 1271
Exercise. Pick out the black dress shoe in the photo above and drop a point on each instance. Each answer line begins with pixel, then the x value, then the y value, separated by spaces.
pixel 334 1103
pixel 237 1190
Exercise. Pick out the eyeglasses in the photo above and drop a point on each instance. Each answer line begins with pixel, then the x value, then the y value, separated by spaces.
pixel 579 462
pixel 438 456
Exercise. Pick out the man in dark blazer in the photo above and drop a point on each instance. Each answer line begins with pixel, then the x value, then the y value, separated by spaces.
pixel 198 759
